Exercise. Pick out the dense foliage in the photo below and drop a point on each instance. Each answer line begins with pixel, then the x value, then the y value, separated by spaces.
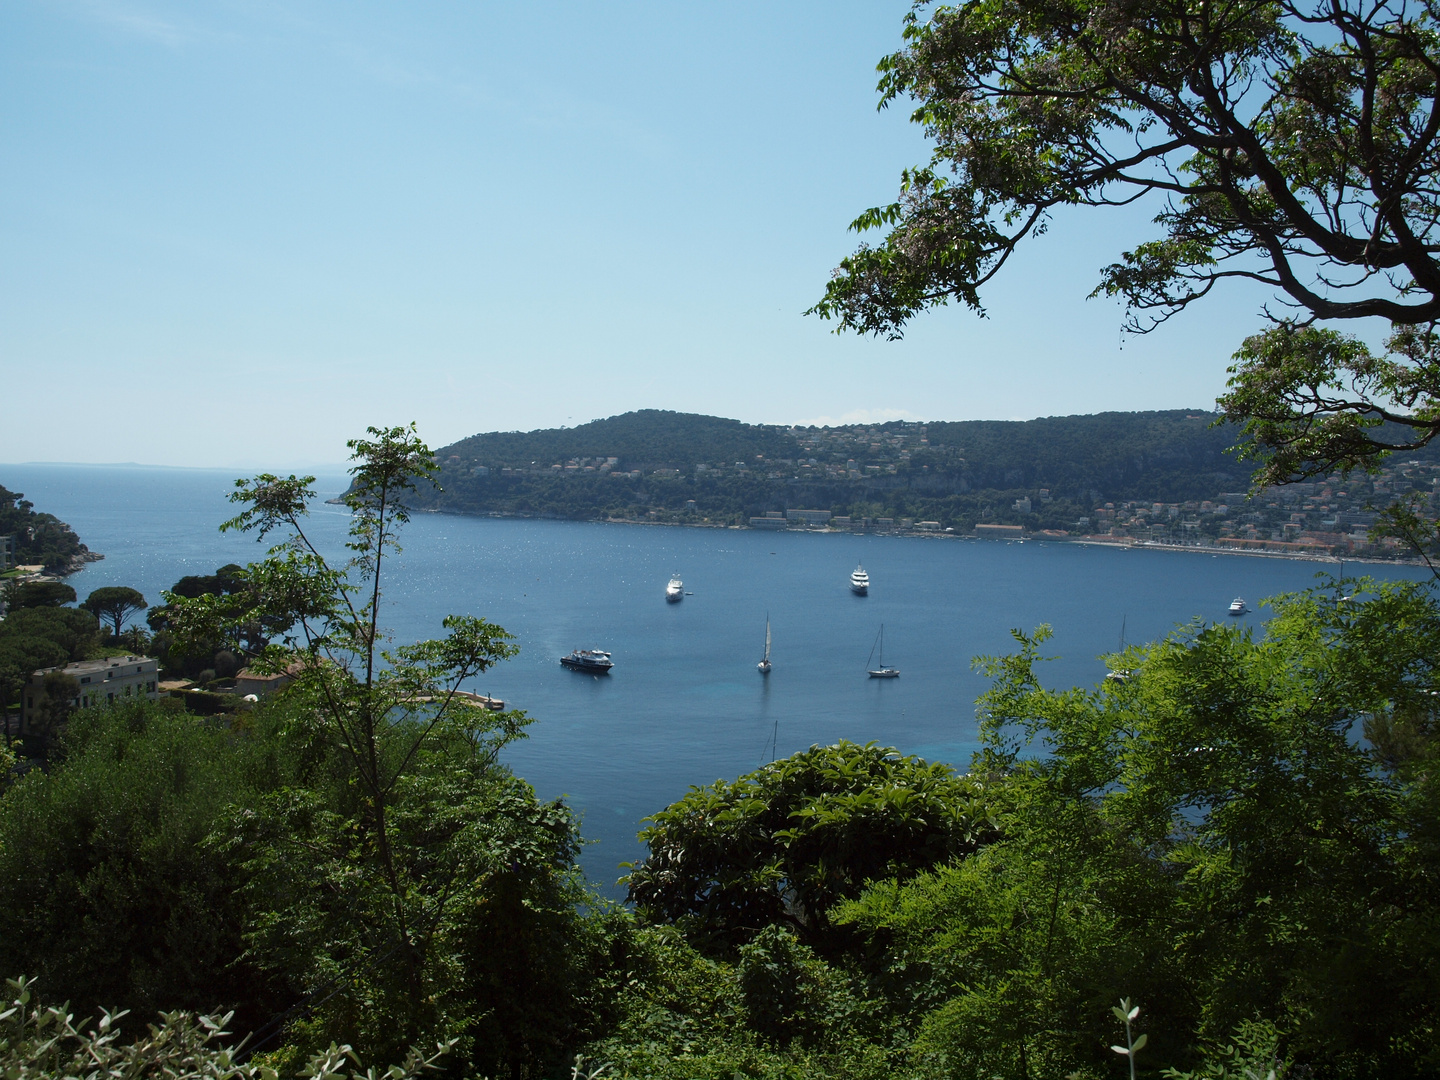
pixel 43 1042
pixel 782 846
pixel 113 898
pixel 34 594
pixel 41 637
pixel 40 538
pixel 166 862
pixel 1212 836
pixel 227 645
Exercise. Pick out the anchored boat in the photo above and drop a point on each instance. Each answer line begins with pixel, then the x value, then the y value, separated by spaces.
pixel 860 582
pixel 595 661
pixel 882 672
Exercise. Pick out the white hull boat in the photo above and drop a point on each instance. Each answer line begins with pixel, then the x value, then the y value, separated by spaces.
pixel 881 672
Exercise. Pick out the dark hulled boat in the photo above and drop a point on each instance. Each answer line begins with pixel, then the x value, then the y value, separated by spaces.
pixel 595 661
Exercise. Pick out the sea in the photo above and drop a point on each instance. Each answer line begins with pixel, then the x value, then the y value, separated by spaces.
pixel 685 704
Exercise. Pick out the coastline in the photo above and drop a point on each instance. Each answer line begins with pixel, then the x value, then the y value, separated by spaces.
pixel 77 563
pixel 1087 541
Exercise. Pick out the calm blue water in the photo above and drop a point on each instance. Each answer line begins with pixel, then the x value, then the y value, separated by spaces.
pixel 685 704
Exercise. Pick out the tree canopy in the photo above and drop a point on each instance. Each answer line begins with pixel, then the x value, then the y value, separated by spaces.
pixel 784 844
pixel 1292 144
pixel 41 637
pixel 34 594
pixel 114 604
pixel 415 876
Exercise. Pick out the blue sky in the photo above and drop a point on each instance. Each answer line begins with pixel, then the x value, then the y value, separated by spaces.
pixel 236 233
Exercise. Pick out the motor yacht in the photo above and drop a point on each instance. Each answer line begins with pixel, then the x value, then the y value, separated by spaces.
pixel 675 591
pixel 595 661
pixel 1237 606
pixel 860 582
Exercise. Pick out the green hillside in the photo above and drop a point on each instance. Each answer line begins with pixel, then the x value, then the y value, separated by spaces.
pixel 1103 472
pixel 647 439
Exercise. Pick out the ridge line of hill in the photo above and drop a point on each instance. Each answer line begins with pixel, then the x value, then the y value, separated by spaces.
pixel 1162 474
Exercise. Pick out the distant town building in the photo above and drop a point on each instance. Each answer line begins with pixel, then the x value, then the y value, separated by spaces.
pixel 773 519
pixel 809 517
pixel 7 552
pixel 1000 530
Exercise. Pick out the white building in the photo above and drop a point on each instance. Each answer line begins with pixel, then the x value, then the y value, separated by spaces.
pixel 809 517
pixel 101 682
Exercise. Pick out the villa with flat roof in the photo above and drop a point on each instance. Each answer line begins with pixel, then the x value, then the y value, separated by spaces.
pixel 101 682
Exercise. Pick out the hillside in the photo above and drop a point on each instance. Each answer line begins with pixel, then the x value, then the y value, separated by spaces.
pixel 656 465
pixel 647 439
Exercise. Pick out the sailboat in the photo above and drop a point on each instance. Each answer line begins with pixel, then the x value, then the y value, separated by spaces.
pixel 764 664
pixel 1119 675
pixel 882 672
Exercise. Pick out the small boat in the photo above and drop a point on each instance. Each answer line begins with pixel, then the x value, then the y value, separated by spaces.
pixel 1237 606
pixel 675 591
pixel 1119 675
pixel 764 664
pixel 882 672
pixel 595 661
pixel 860 582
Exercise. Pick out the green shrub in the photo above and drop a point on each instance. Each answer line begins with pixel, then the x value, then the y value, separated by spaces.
pixel 112 897
pixel 42 1043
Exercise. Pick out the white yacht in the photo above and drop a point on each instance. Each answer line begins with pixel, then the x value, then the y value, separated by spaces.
pixel 675 591
pixel 1237 606
pixel 764 664
pixel 860 582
